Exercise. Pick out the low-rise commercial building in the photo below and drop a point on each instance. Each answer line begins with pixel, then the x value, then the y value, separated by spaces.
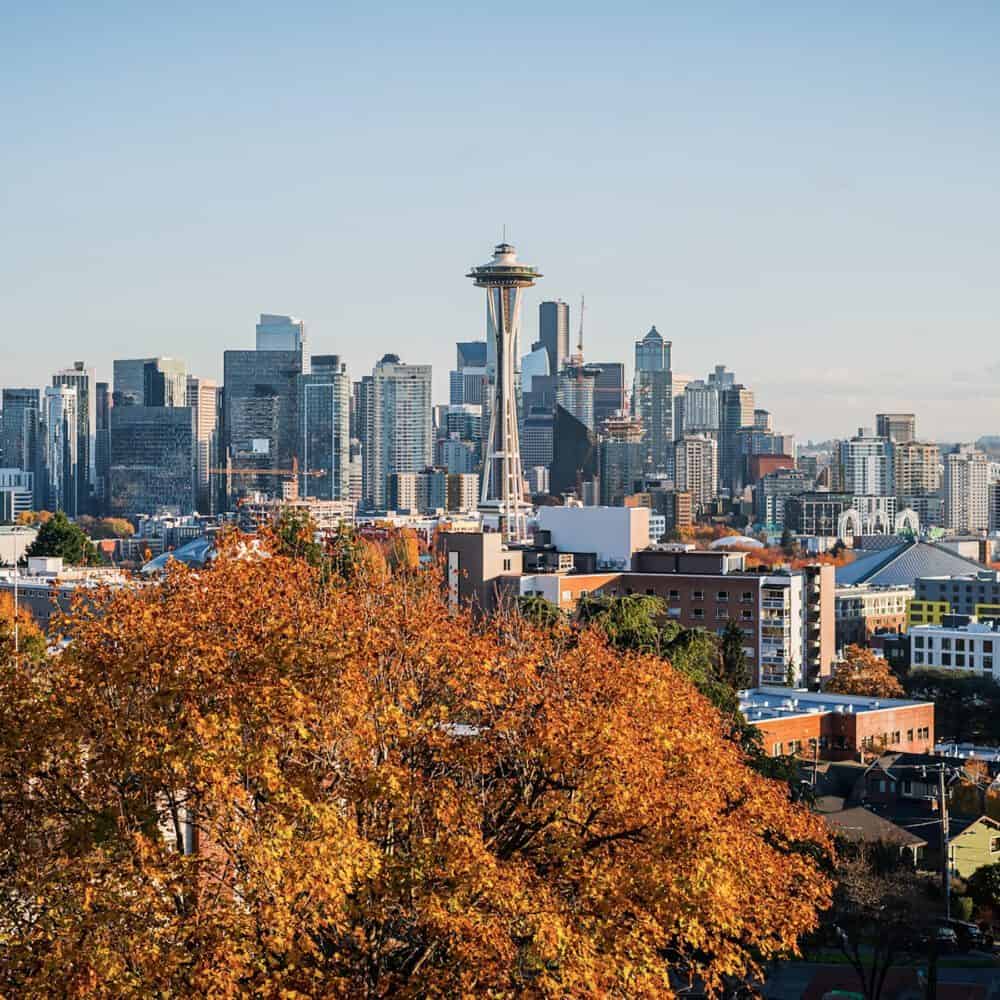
pixel 837 726
pixel 863 610
pixel 976 593
pixel 960 643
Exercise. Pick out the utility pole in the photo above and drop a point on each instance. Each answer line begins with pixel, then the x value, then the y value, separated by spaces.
pixel 945 865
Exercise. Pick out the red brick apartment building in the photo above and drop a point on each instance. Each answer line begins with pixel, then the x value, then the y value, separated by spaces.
pixel 837 726
pixel 787 618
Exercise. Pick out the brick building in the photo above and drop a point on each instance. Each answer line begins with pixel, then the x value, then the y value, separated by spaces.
pixel 837 726
pixel 863 610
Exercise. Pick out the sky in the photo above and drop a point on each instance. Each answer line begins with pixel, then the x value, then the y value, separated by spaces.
pixel 805 193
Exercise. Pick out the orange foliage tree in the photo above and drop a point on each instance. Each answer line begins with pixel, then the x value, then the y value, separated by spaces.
pixel 863 673
pixel 262 780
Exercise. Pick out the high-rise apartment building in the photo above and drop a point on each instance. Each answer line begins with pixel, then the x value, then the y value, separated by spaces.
pixel 868 465
pixel 966 489
pixel 553 332
pixel 60 450
pixel 897 427
pixel 324 416
pixel 152 460
pixel 696 464
pixel 398 428
pixel 21 420
pixel 701 409
pixel 916 467
pixel 653 401
pixel 202 400
pixel 84 381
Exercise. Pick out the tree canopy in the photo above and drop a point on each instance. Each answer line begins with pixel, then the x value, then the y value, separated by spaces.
pixel 58 536
pixel 863 673
pixel 254 780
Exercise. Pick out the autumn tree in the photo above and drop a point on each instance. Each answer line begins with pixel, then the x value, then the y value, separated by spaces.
pixel 239 781
pixel 863 673
pixel 59 536
pixel 30 640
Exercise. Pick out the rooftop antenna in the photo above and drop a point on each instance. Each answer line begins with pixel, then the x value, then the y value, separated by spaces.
pixel 503 238
pixel 579 339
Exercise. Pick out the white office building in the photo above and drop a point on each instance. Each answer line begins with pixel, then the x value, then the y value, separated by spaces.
pixel 961 643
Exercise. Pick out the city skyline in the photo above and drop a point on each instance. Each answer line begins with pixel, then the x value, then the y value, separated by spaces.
pixel 708 173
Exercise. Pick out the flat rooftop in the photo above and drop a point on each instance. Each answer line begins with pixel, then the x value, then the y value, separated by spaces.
pixel 766 704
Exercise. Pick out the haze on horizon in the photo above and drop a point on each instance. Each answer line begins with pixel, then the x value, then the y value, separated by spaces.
pixel 805 196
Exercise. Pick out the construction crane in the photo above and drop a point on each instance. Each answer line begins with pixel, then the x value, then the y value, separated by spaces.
pixel 293 471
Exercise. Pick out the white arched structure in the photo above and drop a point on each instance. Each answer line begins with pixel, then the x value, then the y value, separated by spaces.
pixel 908 521
pixel 849 524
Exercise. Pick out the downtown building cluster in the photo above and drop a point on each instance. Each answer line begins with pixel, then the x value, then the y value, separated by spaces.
pixel 286 423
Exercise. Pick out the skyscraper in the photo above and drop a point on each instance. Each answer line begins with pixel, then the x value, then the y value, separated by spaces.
pixel 19 443
pixel 60 449
pixel 916 467
pixel 653 401
pixel 503 278
pixel 868 466
pixel 260 423
pixel 897 427
pixel 102 446
pixel 164 382
pixel 553 332
pixel 84 381
pixel 202 401
pixel 609 390
pixel 967 489
pixel 735 411
pixel 149 382
pixel 576 391
pixel 152 460
pixel 283 333
pixel 399 435
pixel 324 418
pixel 622 459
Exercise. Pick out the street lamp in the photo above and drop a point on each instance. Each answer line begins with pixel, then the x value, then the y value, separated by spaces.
pixel 16 530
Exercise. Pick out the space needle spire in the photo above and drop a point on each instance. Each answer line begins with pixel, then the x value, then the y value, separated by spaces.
pixel 503 479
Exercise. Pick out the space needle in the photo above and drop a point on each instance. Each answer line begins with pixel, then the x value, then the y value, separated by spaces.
pixel 503 480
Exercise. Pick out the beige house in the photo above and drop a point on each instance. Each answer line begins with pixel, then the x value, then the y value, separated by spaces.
pixel 977 845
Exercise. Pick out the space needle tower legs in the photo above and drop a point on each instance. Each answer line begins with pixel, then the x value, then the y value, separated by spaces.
pixel 503 479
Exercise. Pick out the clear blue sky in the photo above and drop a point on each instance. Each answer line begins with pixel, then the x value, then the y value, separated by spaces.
pixel 807 195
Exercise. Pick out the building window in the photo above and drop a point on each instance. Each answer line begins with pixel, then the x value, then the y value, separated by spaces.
pixel 698 595
pixel 946 643
pixel 506 564
pixel 673 612
pixel 747 597
pixel 960 644
pixel 994 845
pixel 987 663
pixel 675 595
pixel 895 736
pixel 722 595
pixel 650 592
pixel 721 613
pixel 918 657
pixel 909 737
pixel 987 645
pixel 746 615
pixel 918 641
pixel 699 612
pixel 946 659
pixel 776 750
pixel 960 659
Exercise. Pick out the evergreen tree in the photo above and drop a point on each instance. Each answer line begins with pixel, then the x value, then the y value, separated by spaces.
pixel 735 670
pixel 59 536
